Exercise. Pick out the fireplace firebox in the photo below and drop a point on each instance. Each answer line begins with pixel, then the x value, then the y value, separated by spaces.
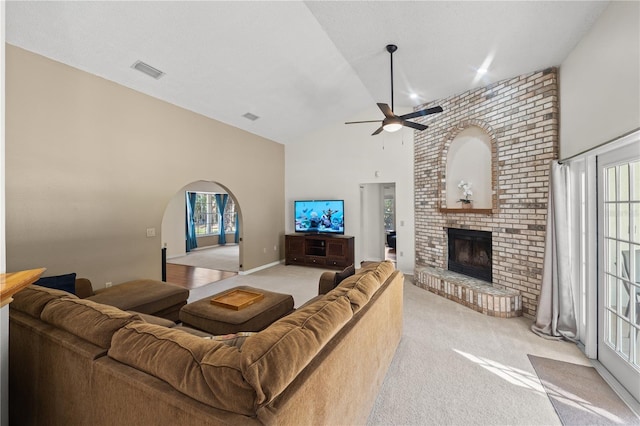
pixel 470 253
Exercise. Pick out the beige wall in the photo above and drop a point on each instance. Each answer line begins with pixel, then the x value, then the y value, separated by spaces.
pixel 90 165
pixel 600 81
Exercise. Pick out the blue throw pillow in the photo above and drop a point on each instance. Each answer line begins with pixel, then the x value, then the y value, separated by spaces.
pixel 60 282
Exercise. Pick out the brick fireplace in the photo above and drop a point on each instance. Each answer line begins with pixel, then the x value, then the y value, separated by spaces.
pixel 520 117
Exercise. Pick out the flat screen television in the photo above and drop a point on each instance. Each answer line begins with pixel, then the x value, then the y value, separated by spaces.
pixel 319 216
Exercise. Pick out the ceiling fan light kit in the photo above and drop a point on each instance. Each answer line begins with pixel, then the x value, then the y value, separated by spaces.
pixel 392 122
pixel 390 125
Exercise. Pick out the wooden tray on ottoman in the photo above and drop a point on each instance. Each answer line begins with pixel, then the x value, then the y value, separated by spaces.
pixel 237 299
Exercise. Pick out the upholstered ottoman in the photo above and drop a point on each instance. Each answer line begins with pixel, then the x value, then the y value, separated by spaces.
pixel 220 320
pixel 145 296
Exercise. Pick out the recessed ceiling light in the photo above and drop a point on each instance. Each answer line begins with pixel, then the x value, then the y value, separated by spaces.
pixel 413 95
pixel 482 71
pixel 250 116
pixel 147 69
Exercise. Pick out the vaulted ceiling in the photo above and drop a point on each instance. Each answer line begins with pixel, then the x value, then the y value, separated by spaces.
pixel 300 66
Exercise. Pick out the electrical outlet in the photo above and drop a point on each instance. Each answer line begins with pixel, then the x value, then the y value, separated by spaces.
pixel 401 253
pixel 151 232
pixel 109 284
pixel 264 249
pixel 275 248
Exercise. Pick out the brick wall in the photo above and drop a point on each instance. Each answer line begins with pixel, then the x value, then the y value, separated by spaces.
pixel 521 117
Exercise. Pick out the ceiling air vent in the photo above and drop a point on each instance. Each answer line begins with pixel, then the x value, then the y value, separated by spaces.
pixel 147 69
pixel 250 116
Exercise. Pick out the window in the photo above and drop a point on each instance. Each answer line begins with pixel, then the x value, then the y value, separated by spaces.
pixel 389 212
pixel 207 218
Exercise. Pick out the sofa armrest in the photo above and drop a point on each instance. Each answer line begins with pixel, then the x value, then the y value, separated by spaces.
pixel 326 283
pixel 84 288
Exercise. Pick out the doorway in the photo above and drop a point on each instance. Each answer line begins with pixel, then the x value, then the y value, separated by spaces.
pixel 378 221
pixel 619 265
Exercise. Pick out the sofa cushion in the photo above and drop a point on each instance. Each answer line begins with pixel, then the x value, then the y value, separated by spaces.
pixel 33 298
pixel 235 339
pixel 84 288
pixel 272 358
pixel 358 289
pixel 382 270
pixel 203 369
pixel 193 331
pixel 65 282
pixel 340 276
pixel 91 321
pixel 152 319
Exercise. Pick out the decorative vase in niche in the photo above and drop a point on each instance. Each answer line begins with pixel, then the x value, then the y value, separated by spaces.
pixel 466 203
pixel 465 187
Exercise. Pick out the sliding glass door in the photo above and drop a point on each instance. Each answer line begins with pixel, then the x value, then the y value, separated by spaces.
pixel 619 265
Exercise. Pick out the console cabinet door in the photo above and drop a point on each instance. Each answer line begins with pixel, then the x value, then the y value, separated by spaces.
pixel 340 252
pixel 294 250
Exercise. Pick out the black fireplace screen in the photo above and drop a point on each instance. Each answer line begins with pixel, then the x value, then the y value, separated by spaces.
pixel 470 253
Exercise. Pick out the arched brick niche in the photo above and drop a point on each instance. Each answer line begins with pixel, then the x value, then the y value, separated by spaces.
pixel 520 117
pixel 470 153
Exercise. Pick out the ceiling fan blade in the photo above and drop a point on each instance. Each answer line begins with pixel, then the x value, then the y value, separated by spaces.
pixel 420 113
pixel 386 110
pixel 358 122
pixel 413 125
pixel 377 131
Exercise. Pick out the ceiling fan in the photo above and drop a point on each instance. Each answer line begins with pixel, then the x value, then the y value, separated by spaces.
pixel 392 122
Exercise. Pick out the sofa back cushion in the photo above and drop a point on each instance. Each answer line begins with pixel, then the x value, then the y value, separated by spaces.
pixel 91 321
pixel 272 358
pixel 33 298
pixel 382 270
pixel 204 369
pixel 358 289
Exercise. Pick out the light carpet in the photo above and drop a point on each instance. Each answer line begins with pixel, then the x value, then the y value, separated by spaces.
pixel 453 366
pixel 222 258
pixel 580 395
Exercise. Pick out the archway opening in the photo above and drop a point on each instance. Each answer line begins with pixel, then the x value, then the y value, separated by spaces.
pixel 210 213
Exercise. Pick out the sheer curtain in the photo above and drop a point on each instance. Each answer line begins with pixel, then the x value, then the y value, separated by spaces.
pixel 556 312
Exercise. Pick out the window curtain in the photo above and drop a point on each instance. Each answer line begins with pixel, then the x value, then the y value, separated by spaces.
pixel 237 236
pixel 221 201
pixel 192 241
pixel 555 318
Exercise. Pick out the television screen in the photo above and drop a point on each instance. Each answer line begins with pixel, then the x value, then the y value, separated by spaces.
pixel 319 216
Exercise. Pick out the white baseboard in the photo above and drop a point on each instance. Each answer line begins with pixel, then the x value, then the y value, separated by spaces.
pixel 176 255
pixel 260 268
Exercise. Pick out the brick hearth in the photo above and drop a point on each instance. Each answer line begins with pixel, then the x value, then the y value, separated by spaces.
pixel 520 115
pixel 470 292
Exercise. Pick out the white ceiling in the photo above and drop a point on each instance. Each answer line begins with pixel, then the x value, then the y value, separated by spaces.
pixel 300 66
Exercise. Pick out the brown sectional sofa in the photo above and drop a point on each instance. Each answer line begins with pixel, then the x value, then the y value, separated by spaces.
pixel 77 362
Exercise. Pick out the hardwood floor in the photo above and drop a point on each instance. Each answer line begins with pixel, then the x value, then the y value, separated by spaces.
pixel 191 277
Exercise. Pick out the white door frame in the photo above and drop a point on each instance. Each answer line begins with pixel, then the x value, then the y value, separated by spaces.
pixel 623 370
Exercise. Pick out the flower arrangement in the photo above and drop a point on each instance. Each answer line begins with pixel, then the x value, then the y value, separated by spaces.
pixel 466 191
